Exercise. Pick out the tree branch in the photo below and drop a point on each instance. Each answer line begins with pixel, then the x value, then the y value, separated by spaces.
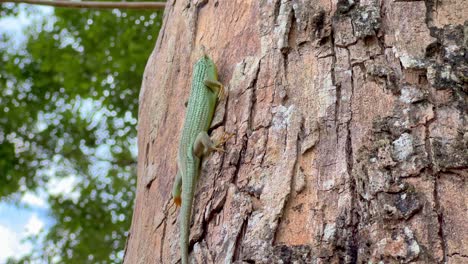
pixel 91 4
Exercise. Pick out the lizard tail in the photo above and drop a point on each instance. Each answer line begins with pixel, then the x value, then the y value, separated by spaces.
pixel 185 212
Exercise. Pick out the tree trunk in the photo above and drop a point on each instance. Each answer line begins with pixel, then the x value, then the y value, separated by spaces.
pixel 350 133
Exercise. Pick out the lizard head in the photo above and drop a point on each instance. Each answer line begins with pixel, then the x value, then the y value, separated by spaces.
pixel 211 68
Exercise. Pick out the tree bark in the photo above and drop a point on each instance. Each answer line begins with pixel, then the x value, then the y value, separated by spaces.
pixel 350 133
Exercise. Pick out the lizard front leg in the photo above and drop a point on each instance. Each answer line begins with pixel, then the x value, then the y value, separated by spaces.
pixel 216 87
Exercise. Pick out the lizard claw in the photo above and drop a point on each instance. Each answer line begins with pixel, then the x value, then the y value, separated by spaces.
pixel 219 150
pixel 221 93
pixel 226 136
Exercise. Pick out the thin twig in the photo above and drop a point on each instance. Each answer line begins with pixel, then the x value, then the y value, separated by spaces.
pixel 91 4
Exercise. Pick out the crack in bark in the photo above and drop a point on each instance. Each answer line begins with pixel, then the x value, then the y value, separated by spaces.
pixel 352 250
pixel 337 85
pixel 431 170
pixel 239 161
pixel 292 183
pixel 276 10
pixel 239 239
pixel 458 254
pixel 161 249
pixel 211 214
pixel 253 85
pixel 440 219
pixel 245 138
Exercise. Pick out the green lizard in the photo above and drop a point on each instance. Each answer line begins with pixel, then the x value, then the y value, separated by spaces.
pixel 195 142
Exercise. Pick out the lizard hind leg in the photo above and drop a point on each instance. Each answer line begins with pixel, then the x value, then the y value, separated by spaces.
pixel 177 190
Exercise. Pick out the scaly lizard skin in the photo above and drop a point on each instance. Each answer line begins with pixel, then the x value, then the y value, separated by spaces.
pixel 195 142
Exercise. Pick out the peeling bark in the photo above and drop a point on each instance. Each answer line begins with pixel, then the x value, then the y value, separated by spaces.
pixel 351 142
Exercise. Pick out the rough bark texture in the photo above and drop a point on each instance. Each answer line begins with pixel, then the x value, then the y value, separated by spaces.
pixel 351 135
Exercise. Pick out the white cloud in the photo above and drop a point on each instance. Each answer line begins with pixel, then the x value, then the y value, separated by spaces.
pixel 63 186
pixel 14 25
pixel 103 152
pixel 34 225
pixel 10 244
pixel 33 200
pixel 55 186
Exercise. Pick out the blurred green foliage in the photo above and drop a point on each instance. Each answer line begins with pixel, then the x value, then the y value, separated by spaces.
pixel 68 108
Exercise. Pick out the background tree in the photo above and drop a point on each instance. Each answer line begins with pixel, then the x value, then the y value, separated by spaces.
pixel 351 134
pixel 68 110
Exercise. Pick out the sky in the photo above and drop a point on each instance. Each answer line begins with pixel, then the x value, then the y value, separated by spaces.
pixel 16 224
pixel 30 216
